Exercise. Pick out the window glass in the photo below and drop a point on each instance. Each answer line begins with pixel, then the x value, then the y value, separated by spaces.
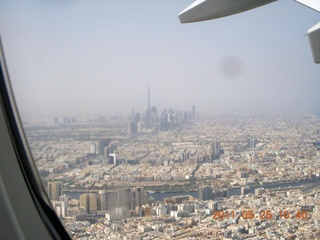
pixel 141 126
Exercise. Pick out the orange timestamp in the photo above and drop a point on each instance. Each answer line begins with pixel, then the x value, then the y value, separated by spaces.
pixel 262 214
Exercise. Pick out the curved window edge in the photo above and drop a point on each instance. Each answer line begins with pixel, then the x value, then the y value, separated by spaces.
pixel 24 157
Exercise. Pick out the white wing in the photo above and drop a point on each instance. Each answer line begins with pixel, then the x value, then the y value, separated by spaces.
pixel 314 4
pixel 202 10
pixel 314 32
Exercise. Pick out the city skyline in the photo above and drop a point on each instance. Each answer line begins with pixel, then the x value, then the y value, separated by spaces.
pixel 144 111
pixel 147 115
pixel 82 63
pixel 263 169
pixel 157 129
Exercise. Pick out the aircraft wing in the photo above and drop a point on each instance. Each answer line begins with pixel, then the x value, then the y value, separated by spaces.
pixel 202 10
pixel 314 32
pixel 314 4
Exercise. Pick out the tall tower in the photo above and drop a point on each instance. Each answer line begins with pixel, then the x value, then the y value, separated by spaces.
pixel 148 117
pixel 193 112
pixel 64 199
pixel 54 190
pixel 93 204
pixel 89 202
pixel 149 107
pixel 252 143
pixel 125 198
pixel 114 158
pixel 84 202
pixel 102 200
pixel 139 196
pixel 205 193
pixel 215 150
pixel 92 148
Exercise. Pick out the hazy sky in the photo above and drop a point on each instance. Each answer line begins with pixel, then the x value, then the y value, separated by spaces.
pixel 79 58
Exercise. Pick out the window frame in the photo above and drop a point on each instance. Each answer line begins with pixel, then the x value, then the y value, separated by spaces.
pixel 20 181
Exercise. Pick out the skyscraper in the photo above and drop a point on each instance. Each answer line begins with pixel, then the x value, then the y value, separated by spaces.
pixel 252 143
pixel 126 198
pixel 148 116
pixel 60 208
pixel 89 202
pixel 205 193
pixel 133 128
pixel 139 196
pixel 215 150
pixel 84 201
pixel 245 190
pixel 193 112
pixel 102 144
pixel 149 106
pixel 54 190
pixel 164 125
pixel 93 204
pixel 92 148
pixel 65 199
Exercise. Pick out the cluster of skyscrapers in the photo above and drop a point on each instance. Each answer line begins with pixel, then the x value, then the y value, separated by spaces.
pixel 65 120
pixel 127 198
pixel 105 202
pixel 168 120
pixel 104 148
pixel 209 193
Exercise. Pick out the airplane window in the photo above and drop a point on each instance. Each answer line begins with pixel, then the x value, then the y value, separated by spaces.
pixel 145 128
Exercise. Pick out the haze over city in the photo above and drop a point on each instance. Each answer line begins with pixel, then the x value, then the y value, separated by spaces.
pixel 99 57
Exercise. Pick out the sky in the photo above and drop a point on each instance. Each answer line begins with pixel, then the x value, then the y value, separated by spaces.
pixel 91 58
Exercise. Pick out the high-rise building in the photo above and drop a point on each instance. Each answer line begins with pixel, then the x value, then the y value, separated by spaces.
pixel 107 151
pixel 140 196
pixel 89 202
pixel 245 190
pixel 139 126
pixel 54 190
pixel 84 202
pixel 215 150
pixel 149 106
pixel 149 116
pixel 60 208
pixel 113 158
pixel 65 199
pixel 133 128
pixel 258 191
pixel 112 198
pixel 135 124
pixel 93 204
pixel 205 193
pixel 102 200
pixel 193 112
pixel 164 125
pixel 213 205
pixel 126 198
pixel 102 144
pixel 252 143
pixel 92 148
pixel 180 198
pixel 171 119
pixel 154 111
